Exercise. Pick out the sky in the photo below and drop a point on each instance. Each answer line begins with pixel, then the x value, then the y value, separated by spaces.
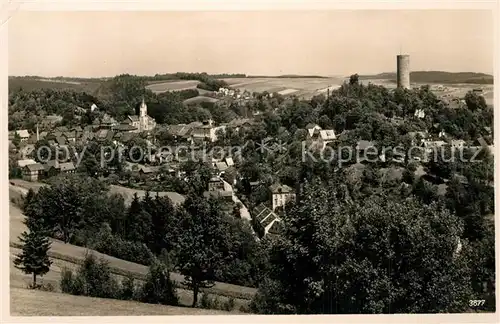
pixel 99 44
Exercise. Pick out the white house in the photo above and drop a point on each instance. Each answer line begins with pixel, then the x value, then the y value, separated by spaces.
pixel 281 194
pixel 311 128
pixel 207 131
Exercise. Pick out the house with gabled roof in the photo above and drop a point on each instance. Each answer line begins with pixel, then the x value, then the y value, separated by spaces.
pixel 25 162
pixel 311 128
pixel 320 137
pixel 124 128
pixel 27 151
pixel 33 172
pixel 266 220
pixel 221 166
pixel 23 134
pixel 67 167
pixel 215 184
pixel 207 131
pixel 70 136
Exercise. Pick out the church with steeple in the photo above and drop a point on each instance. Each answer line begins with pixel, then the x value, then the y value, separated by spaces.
pixel 142 122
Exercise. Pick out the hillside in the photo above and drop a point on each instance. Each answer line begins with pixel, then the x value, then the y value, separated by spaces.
pixel 34 83
pixel 127 193
pixel 199 100
pixel 75 254
pixel 27 302
pixel 436 77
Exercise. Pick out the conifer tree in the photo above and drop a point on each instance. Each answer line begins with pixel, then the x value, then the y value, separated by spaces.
pixel 34 258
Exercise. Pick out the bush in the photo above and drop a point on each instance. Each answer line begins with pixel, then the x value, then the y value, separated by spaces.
pixel 97 278
pixel 93 279
pixel 108 243
pixel 214 302
pixel 128 291
pixel 159 288
pixel 67 281
pixel 228 305
pixel 47 287
pixel 205 301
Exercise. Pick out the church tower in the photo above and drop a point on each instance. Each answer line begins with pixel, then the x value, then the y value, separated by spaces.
pixel 143 113
pixel 143 110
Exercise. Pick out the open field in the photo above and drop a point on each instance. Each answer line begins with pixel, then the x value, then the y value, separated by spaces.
pixel 305 87
pixel 199 99
pixel 27 302
pixel 437 77
pixel 178 85
pixel 442 90
pixel 127 193
pixel 28 84
pixel 450 91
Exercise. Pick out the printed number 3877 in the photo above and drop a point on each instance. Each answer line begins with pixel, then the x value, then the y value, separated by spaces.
pixel 475 303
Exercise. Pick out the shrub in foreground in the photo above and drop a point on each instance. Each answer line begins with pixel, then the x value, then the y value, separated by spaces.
pixel 159 288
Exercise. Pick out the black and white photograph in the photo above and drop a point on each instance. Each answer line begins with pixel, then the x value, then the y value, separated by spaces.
pixel 251 162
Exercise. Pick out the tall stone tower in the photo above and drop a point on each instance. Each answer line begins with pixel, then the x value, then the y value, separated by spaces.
pixel 403 71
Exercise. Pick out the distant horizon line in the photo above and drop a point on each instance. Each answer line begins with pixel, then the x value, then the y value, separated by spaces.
pixel 311 75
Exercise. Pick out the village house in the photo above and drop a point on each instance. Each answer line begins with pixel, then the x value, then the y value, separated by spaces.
pixel 221 167
pixel 457 143
pixel 23 134
pixel 225 198
pixel 311 128
pixel 51 168
pixel 430 145
pixel 50 121
pixel 67 167
pixel 215 184
pixel 33 172
pixel 70 136
pixel 323 137
pixel 419 113
pixel 106 122
pixel 229 161
pixel 319 137
pixel 25 162
pixel 124 127
pixel 27 151
pixel 207 131
pixel 418 137
pixel 280 195
pixel 240 123
pixel 267 221
pixel 149 172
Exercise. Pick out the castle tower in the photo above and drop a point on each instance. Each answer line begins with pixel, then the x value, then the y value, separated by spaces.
pixel 403 71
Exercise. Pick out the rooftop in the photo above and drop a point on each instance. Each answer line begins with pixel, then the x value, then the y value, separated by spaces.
pixel 279 188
